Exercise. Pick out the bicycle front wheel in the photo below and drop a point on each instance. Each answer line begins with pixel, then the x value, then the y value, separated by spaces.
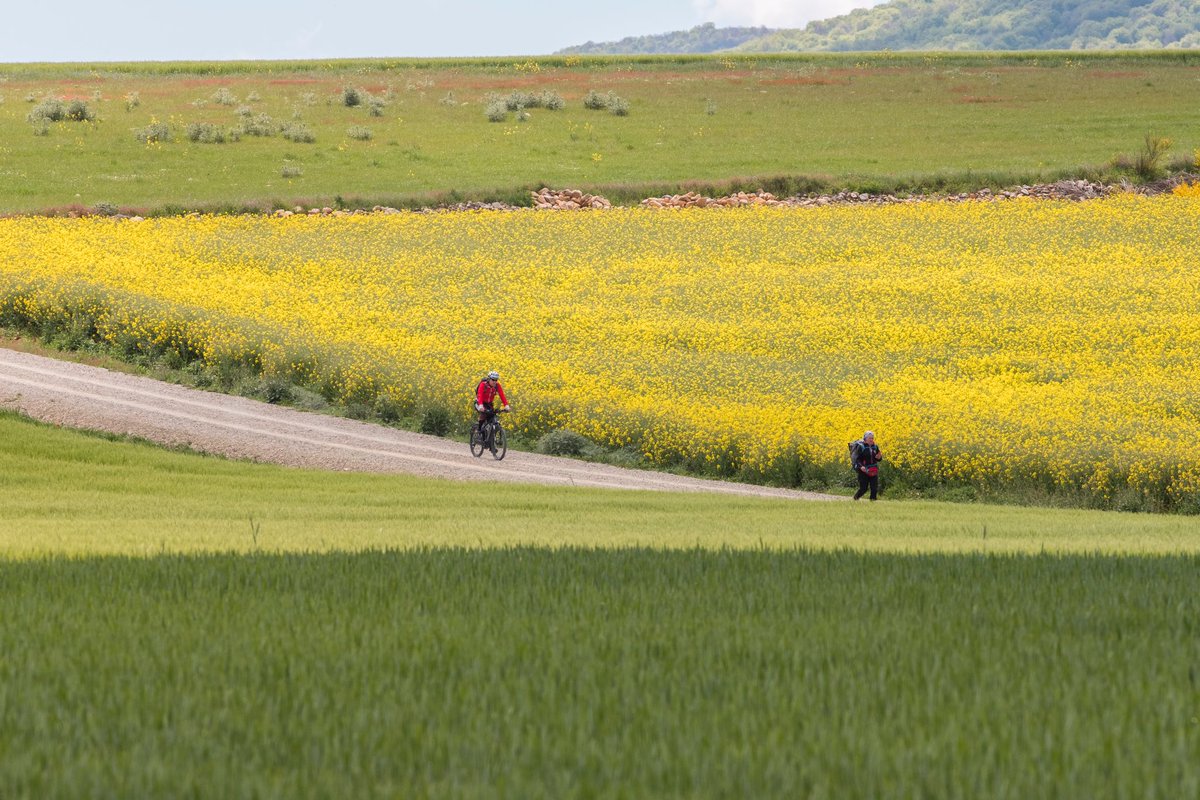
pixel 499 444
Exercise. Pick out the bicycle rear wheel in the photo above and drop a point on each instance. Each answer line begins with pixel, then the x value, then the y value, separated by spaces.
pixel 499 444
pixel 476 441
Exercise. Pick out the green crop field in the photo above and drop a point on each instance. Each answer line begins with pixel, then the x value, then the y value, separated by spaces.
pixel 579 673
pixel 420 134
pixel 389 636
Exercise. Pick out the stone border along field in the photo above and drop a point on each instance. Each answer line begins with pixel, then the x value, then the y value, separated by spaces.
pixel 547 199
pixel 81 396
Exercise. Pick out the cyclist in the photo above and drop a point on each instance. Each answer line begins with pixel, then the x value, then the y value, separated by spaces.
pixel 485 398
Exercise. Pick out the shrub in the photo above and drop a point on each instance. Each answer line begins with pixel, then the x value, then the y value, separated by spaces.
pixel 78 111
pixel 563 442
pixel 291 171
pixel 258 125
pixel 298 132
pixel 496 111
pixel 436 421
pixel 595 100
pixel 1153 149
pixel 154 133
pixel 359 133
pixel 351 97
pixel 599 102
pixel 103 209
pixel 552 101
pixel 449 100
pixel 205 133
pixel 132 101
pixel 253 97
pixel 375 105
pixel 224 97
pixel 50 109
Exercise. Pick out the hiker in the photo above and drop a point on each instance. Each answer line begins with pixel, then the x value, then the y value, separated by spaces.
pixel 865 456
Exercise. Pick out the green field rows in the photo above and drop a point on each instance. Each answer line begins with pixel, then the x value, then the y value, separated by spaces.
pixel 530 672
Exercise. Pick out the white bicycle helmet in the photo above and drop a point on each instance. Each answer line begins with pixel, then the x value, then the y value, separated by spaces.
pixel 493 376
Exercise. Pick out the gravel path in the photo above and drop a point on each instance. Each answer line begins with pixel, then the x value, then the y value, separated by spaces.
pixel 81 396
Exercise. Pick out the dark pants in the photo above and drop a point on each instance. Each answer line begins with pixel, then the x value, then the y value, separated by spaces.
pixel 865 482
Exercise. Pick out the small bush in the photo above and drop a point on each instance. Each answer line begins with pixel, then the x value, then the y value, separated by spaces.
pixel 276 390
pixel 375 105
pixel 258 125
pixel 298 132
pixel 436 421
pixel 351 97
pixel 132 101
pixel 449 100
pixel 205 133
pixel 359 133
pixel 496 111
pixel 608 101
pixel 552 101
pixel 291 171
pixel 224 97
pixel 103 209
pixel 253 97
pixel 564 443
pixel 154 133
pixel 78 111
pixel 1147 163
pixel 50 109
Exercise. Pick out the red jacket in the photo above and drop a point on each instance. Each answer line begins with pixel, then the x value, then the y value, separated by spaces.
pixel 486 394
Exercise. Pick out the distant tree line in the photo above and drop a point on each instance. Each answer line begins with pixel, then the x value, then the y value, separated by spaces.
pixel 950 25
pixel 706 38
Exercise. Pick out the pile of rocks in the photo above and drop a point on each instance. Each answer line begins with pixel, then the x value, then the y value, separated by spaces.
pixel 567 200
pixel 324 211
pixel 694 200
pixel 570 199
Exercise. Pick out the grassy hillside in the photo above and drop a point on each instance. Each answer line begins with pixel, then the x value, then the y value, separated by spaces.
pixel 420 132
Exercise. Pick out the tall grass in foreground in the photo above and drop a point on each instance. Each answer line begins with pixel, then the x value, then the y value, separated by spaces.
pixel 581 673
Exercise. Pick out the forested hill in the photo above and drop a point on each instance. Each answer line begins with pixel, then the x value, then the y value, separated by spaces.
pixel 707 38
pixel 951 25
pixel 999 25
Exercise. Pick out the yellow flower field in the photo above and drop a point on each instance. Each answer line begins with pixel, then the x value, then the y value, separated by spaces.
pixel 1046 343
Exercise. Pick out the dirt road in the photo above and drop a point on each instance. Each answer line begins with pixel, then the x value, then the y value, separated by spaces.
pixel 80 396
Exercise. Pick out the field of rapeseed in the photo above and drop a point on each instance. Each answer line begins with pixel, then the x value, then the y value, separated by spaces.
pixel 991 344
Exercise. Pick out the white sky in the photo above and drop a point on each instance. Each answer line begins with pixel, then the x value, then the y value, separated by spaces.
pixel 164 30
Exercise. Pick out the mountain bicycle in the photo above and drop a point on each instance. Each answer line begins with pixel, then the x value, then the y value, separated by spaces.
pixel 490 437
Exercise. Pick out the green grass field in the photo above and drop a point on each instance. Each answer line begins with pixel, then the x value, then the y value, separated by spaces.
pixel 72 494
pixel 873 122
pixel 581 673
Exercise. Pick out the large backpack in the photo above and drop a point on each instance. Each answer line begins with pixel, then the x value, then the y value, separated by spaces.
pixel 855 447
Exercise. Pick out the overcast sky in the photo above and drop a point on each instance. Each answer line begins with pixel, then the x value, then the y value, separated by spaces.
pixel 163 30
